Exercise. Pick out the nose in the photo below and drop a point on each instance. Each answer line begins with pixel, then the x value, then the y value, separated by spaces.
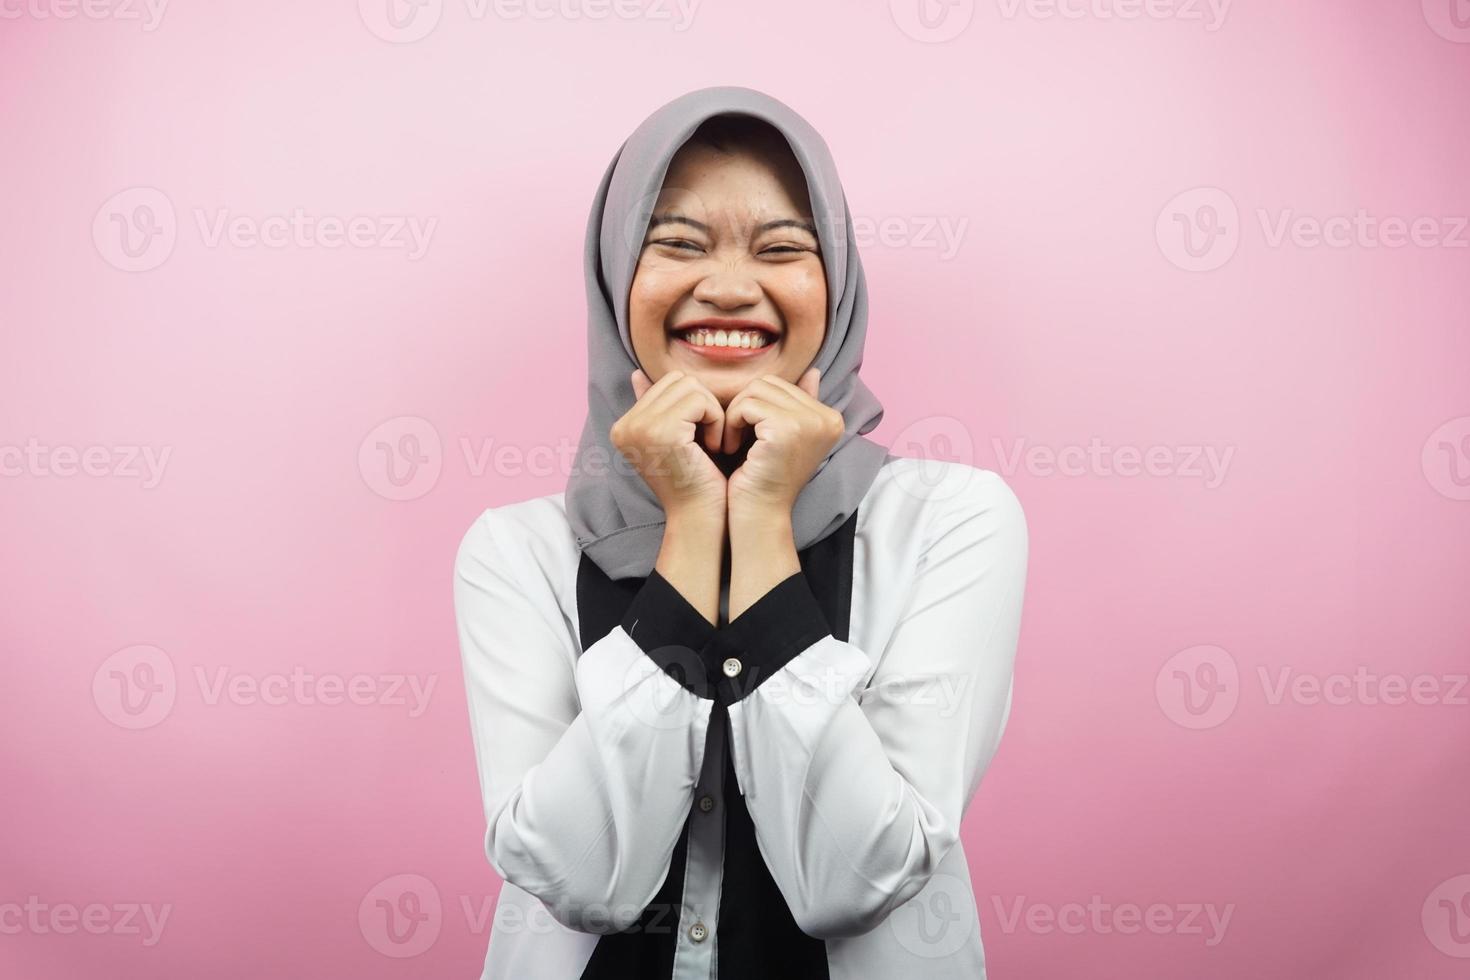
pixel 729 288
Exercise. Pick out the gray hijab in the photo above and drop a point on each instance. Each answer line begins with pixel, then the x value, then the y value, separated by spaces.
pixel 617 519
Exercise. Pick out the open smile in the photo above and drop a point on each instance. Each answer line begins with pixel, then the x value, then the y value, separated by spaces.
pixel 727 340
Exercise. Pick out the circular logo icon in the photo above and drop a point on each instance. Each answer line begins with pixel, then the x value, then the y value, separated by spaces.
pixel 1199 230
pixel 135 230
pixel 401 458
pixel 935 443
pixel 1198 687
pixel 932 21
pixel 1446 917
pixel 401 21
pixel 135 687
pixel 401 916
pixel 1450 19
pixel 1446 459
pixel 938 921
pixel 660 702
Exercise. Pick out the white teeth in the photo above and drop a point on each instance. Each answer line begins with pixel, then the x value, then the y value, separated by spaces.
pixel 727 338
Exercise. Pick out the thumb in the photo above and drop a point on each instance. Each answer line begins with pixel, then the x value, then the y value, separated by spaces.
pixel 641 384
pixel 810 382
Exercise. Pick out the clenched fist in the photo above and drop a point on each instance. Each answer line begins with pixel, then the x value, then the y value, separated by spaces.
pixel 659 436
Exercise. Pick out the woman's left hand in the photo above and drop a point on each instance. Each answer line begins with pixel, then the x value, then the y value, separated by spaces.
pixel 794 432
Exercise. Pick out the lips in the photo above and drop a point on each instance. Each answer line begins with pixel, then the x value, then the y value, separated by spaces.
pixel 726 339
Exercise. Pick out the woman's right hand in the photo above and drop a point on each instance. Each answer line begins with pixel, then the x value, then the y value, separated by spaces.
pixel 658 436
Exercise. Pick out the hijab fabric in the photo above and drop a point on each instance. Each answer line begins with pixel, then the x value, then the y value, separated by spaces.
pixel 615 516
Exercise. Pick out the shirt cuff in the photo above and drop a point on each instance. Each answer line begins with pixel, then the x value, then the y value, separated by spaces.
pixel 768 635
pixel 671 632
pixel 730 662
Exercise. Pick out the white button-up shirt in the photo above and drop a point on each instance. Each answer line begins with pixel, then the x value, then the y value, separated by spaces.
pixel 603 769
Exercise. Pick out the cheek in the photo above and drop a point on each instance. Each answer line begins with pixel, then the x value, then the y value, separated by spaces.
pixel 804 301
pixel 649 302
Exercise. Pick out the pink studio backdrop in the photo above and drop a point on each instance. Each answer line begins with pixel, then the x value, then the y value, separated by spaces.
pixel 291 292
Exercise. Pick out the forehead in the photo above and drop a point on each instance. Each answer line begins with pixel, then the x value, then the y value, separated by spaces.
pixel 756 181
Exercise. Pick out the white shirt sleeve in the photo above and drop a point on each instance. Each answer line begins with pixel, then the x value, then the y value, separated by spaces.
pixel 856 795
pixel 587 774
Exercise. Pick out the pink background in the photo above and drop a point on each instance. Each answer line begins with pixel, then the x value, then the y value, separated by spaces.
pixel 1331 542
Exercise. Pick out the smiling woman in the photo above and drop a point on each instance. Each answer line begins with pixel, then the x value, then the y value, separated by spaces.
pixel 702 686
pixel 730 284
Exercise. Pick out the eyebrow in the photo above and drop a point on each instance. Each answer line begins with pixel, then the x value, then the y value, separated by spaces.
pixel 674 218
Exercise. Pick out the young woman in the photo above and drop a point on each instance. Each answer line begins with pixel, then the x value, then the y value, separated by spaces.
pixel 732 692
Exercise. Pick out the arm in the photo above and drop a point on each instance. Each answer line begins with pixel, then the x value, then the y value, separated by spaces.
pixel 857 797
pixel 583 807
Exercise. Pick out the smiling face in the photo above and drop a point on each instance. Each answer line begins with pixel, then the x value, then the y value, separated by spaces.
pixel 729 284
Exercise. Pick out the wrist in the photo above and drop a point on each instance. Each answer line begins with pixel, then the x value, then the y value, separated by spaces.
pixel 700 524
pixel 762 555
pixel 764 545
pixel 689 559
pixel 772 521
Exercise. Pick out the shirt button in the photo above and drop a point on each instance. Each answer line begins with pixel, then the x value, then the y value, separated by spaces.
pixel 731 666
pixel 706 803
pixel 697 932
